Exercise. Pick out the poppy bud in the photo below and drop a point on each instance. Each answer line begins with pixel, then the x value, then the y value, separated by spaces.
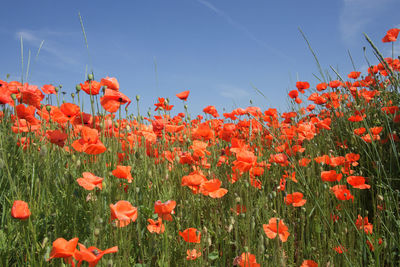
pixel 72 95
pixel 48 108
pixel 44 242
pixel 90 77
pixel 185 106
pixel 78 88
pixel 57 89
pixel 237 200
pixel 149 113
pixel 13 96
pixel 96 231
pixel 137 97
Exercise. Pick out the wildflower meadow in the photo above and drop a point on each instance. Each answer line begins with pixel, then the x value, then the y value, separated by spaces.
pixel 83 182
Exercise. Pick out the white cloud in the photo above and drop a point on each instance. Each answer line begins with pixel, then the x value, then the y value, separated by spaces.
pixel 233 92
pixel 243 29
pixel 356 15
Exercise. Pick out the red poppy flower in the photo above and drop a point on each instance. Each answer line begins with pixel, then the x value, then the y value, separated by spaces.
pixel 192 254
pixel 246 260
pixel 111 83
pixel 301 86
pixel 57 137
pixel 70 110
pixel 164 210
pixel 274 228
pixel 331 176
pixel 20 210
pixel 341 192
pixel 49 89
pixel 239 209
pixel 362 223
pixel 321 87
pixel 391 35
pixel 91 87
pixel 295 199
pixel 358 182
pixel 183 95
pixel 354 74
pixel 124 212
pixel 309 263
pixel 334 84
pixel 340 249
pixel 293 94
pixel 156 226
pixel 212 188
pixel 63 248
pixel 211 110
pixel 112 100
pixel 191 235
pixel 92 255
pixel 90 181
pixel 123 172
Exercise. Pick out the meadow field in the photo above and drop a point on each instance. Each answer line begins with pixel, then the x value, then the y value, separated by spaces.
pixel 317 185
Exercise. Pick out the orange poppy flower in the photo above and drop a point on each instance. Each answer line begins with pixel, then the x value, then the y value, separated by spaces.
pixel 246 260
pixel 90 142
pixel 110 82
pixel 92 255
pixel 191 235
pixel 239 209
pixel 90 181
pixel 362 223
pixel 331 176
pixel 358 182
pixel 49 89
pixel 192 254
pixel 340 249
pixel 30 95
pixel 309 263
pixel 164 210
pixel 274 228
pixel 91 87
pixel 212 188
pixel 391 35
pixel 156 226
pixel 57 137
pixel 70 110
pixel 20 210
pixel 321 87
pixel 183 95
pixel 63 248
pixel 124 212
pixel 112 100
pixel 301 86
pixel 354 74
pixel 211 110
pixel 244 161
pixel 341 192
pixel 123 172
pixel 304 162
pixel 193 181
pixel 295 199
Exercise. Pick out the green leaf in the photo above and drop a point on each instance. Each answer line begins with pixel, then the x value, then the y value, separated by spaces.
pixel 213 255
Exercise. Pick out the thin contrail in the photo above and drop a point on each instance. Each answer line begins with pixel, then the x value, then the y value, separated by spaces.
pixel 240 27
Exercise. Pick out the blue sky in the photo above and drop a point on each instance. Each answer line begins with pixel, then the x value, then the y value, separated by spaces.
pixel 216 49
